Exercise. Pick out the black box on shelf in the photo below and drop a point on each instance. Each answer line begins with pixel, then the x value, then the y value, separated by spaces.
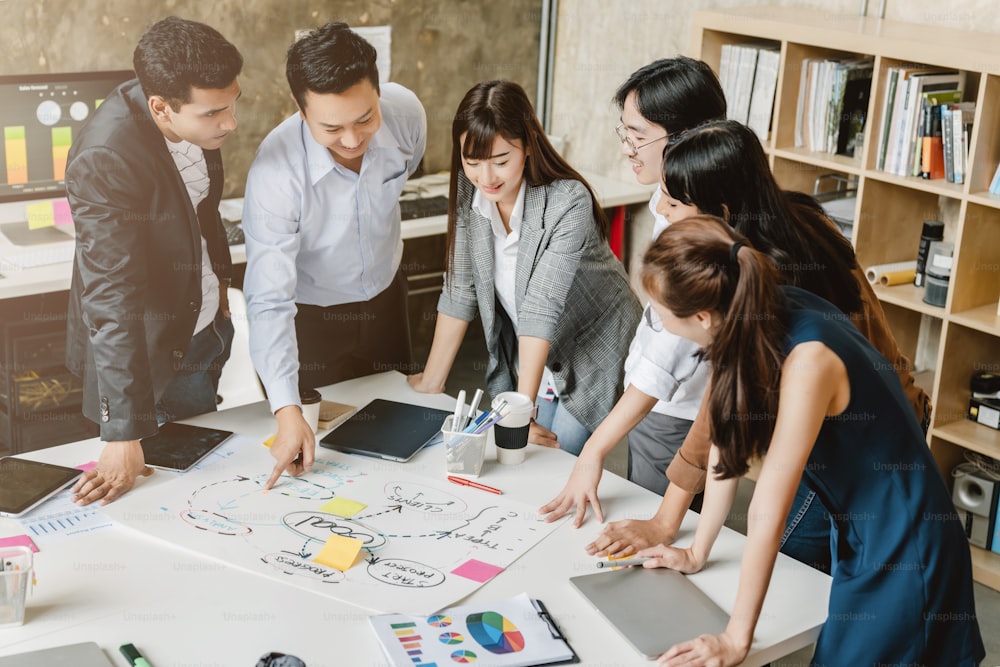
pixel 985 411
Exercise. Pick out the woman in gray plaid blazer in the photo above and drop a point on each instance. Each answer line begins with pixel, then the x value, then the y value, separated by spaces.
pixel 527 249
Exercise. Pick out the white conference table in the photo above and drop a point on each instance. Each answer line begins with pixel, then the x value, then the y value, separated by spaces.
pixel 181 609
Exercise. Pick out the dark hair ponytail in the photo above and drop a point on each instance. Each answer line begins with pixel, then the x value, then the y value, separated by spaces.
pixel 701 264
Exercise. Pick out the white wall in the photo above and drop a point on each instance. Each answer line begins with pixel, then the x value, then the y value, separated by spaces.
pixel 599 43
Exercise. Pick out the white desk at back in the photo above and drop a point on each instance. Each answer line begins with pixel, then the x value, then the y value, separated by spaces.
pixel 118 585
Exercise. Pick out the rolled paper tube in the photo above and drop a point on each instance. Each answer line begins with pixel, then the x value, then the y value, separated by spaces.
pixel 898 277
pixel 875 272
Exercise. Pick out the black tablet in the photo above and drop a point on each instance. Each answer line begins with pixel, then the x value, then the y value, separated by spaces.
pixel 387 430
pixel 179 446
pixel 24 484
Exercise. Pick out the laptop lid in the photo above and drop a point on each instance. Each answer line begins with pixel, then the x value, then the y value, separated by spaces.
pixel 653 609
pixel 87 654
pixel 387 430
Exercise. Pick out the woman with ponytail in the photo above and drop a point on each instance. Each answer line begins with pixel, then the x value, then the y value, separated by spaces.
pixel 792 378
pixel 719 168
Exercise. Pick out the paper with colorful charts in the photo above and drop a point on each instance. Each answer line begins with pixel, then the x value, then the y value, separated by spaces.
pixel 424 543
pixel 507 633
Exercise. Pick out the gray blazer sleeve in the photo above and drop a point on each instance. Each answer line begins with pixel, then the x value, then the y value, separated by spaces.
pixel 569 216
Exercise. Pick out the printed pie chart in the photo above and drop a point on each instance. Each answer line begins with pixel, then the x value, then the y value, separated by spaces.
pixel 494 632
pixel 438 621
pixel 451 638
pixel 462 656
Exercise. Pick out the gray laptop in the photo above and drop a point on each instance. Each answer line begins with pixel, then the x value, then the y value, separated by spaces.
pixel 87 654
pixel 652 609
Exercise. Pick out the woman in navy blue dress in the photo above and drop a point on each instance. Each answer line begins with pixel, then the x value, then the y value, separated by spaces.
pixel 794 379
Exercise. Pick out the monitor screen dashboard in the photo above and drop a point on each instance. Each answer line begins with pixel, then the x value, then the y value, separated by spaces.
pixel 40 117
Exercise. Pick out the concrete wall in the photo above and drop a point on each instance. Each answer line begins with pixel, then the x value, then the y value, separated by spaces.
pixel 598 44
pixel 440 49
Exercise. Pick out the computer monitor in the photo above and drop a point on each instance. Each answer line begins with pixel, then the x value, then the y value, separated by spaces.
pixel 40 117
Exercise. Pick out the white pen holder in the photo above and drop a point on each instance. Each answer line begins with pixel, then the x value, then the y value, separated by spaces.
pixel 464 452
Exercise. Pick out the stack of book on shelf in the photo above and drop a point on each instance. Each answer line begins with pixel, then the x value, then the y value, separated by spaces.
pixel 833 104
pixel 749 77
pixel 925 124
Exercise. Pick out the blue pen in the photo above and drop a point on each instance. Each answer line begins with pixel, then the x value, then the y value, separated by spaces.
pixel 471 428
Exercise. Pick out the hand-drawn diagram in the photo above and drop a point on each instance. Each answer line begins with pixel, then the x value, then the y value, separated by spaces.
pixel 424 543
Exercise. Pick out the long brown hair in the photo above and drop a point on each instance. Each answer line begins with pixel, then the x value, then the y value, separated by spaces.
pixel 502 108
pixel 692 267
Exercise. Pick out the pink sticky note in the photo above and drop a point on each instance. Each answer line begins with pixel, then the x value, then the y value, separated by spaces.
pixel 18 541
pixel 86 467
pixel 477 570
pixel 60 212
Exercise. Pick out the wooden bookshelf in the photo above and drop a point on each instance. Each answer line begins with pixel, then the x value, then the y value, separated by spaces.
pixel 891 209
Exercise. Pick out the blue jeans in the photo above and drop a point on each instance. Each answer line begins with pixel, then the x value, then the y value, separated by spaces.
pixel 807 530
pixel 193 389
pixel 808 526
pixel 571 433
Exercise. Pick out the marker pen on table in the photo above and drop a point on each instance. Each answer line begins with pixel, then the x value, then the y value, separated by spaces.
pixel 133 656
pixel 474 485
pixel 625 562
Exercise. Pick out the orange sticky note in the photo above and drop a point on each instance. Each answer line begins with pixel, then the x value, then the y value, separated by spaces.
pixel 343 507
pixel 339 552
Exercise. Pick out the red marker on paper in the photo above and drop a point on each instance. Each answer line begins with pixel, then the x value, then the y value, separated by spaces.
pixel 475 485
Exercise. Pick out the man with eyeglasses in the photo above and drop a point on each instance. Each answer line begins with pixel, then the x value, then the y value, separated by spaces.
pixel 664 377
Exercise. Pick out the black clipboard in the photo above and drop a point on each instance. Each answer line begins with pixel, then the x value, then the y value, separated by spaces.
pixel 543 613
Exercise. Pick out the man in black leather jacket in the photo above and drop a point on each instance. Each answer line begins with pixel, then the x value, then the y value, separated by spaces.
pixel 148 321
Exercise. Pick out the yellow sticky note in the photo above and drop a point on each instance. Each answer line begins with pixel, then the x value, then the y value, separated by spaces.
pixel 339 552
pixel 343 507
pixel 40 215
pixel 270 441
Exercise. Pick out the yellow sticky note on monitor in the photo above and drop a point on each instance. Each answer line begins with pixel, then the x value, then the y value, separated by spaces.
pixel 339 552
pixel 344 507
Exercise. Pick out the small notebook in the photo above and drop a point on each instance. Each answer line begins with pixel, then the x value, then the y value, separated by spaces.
pixel 653 609
pixel 387 430
pixel 87 654
pixel 516 632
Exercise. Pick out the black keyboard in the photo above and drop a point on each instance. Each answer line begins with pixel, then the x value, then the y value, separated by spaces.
pixel 427 207
pixel 234 233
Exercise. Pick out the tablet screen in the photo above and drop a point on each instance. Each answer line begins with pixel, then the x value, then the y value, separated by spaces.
pixel 24 483
pixel 180 446
pixel 387 429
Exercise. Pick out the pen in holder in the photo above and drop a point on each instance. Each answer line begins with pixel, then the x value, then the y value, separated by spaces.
pixel 464 451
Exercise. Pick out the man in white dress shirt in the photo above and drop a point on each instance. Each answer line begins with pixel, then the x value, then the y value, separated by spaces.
pixel 326 299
